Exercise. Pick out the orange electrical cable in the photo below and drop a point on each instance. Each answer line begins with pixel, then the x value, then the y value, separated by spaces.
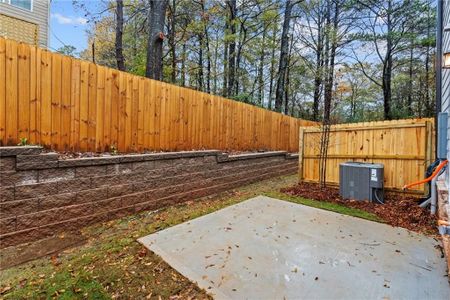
pixel 444 223
pixel 441 165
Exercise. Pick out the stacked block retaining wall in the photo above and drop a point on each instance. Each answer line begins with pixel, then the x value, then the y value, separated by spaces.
pixel 41 195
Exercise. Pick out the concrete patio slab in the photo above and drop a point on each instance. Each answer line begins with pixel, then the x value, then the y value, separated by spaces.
pixel 266 248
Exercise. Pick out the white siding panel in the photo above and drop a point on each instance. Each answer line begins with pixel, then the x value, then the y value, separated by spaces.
pixel 446 48
pixel 446 77
pixel 39 16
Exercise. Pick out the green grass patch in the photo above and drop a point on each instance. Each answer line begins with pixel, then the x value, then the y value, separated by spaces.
pixel 112 264
pixel 334 207
pixel 65 284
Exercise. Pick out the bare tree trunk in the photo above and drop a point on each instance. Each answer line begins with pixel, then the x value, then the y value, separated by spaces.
pixel 156 20
pixel 283 57
pixel 200 62
pixel 318 71
pixel 119 33
pixel 427 83
pixel 328 93
pixel 208 52
pixel 410 82
pixel 286 94
pixel 135 38
pixel 225 61
pixel 286 90
pixel 216 53
pixel 323 155
pixel 183 65
pixel 261 68
pixel 208 63
pixel 93 51
pixel 387 67
pixel 232 47
pixel 326 62
pixel 353 96
pixel 171 33
pixel 422 96
pixel 386 86
pixel 428 108
pixel 272 68
pixel 243 36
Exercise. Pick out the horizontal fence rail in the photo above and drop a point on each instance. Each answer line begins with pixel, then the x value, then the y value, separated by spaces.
pixel 69 104
pixel 404 147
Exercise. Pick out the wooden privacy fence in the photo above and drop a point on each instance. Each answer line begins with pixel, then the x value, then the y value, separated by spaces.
pixel 68 104
pixel 404 147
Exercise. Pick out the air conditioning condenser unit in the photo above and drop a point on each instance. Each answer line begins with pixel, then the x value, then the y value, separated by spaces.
pixel 361 181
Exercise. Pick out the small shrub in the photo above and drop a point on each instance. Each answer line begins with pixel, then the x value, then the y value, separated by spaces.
pixel 113 150
pixel 23 142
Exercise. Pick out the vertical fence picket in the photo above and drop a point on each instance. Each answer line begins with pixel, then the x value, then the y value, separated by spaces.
pixel 2 91
pixel 46 102
pixel 32 96
pixel 55 101
pixel 23 94
pixel 11 106
pixel 100 110
pixel 75 87
pixel 140 114
pixel 107 120
pixel 67 104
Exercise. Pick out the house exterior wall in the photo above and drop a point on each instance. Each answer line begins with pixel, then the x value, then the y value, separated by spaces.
pixel 38 15
pixel 443 185
pixel 446 76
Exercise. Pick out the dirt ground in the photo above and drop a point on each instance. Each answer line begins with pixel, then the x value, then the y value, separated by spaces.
pixel 399 209
pixel 111 264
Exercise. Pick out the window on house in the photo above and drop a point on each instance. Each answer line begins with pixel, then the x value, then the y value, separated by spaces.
pixel 25 4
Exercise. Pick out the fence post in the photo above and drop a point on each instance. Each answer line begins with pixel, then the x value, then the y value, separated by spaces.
pixel 300 153
pixel 428 149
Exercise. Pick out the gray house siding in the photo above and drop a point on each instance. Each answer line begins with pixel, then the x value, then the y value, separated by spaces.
pixel 39 15
pixel 446 48
pixel 446 75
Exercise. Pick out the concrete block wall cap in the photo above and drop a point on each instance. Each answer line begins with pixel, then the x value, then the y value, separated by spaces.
pixel 38 161
pixel 30 157
pixel 130 158
pixel 292 155
pixel 225 157
pixel 20 150
pixel 89 161
pixel 75 162
pixel 49 154
pixel 105 160
pixel 168 155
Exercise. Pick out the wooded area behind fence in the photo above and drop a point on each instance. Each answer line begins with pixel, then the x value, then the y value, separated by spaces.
pixel 68 104
pixel 404 147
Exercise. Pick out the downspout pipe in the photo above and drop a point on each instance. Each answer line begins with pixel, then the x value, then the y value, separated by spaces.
pixel 433 198
pixel 439 30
